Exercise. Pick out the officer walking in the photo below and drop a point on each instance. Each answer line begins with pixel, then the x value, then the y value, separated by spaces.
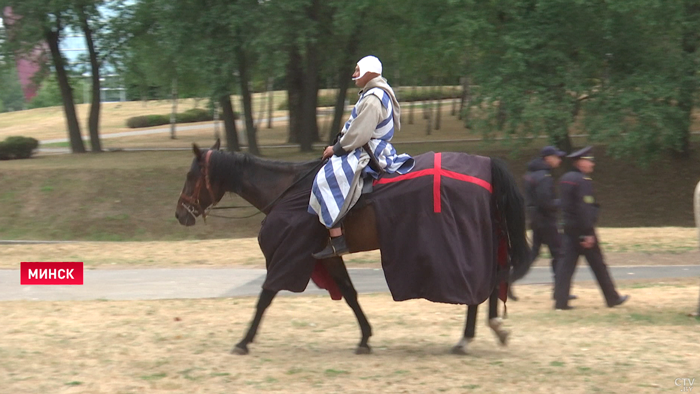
pixel 580 212
pixel 542 204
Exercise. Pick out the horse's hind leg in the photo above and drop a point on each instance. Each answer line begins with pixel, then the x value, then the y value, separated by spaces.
pixel 495 322
pixel 264 301
pixel 336 268
pixel 469 330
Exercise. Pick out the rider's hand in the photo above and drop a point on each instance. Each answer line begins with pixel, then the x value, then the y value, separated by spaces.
pixel 328 152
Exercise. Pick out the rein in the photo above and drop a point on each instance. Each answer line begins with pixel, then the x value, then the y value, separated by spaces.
pixel 205 176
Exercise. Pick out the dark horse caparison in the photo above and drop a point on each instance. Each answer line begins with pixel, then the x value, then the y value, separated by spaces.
pixel 268 185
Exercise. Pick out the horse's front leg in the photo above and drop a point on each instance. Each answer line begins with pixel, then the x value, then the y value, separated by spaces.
pixel 264 301
pixel 495 322
pixel 469 329
pixel 336 268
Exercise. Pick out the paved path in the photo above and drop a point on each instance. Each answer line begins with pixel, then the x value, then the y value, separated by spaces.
pixel 151 284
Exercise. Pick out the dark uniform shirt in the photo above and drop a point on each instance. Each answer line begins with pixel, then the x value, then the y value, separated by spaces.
pixel 578 204
pixel 540 197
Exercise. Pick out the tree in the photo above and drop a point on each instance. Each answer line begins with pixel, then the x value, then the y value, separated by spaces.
pixel 88 15
pixel 34 22
pixel 11 97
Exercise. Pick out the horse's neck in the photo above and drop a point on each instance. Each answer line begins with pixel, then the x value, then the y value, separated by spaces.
pixel 256 180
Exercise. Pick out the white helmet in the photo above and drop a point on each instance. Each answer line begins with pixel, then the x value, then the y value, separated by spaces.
pixel 369 64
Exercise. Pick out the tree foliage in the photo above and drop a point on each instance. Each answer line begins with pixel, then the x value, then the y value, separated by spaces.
pixel 625 73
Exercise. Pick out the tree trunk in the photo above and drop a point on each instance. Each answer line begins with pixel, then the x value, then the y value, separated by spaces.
pixel 438 115
pixel 76 140
pixel 428 111
pixel 339 109
pixel 412 108
pixel 465 100
pixel 501 115
pixel 94 119
pixel 295 82
pixel 173 112
pixel 261 110
pixel 229 123
pixel 426 100
pixel 344 78
pixel 688 85
pixel 247 101
pixel 309 95
pixel 270 101
pixel 216 120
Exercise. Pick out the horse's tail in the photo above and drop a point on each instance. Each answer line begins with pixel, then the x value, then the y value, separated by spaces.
pixel 510 208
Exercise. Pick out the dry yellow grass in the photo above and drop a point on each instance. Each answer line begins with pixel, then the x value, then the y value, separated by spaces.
pixel 49 123
pixel 623 246
pixel 305 346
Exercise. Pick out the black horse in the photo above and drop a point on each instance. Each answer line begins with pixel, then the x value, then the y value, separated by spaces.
pixel 265 184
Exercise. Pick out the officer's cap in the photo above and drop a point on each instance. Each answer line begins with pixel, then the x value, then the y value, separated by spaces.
pixel 585 153
pixel 551 151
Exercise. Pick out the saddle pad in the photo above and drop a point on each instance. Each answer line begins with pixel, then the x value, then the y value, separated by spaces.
pixel 435 228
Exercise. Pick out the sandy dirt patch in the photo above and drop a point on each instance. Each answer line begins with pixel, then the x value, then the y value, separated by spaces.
pixel 622 246
pixel 305 345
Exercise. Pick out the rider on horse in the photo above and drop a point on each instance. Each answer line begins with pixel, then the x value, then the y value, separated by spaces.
pixel 338 185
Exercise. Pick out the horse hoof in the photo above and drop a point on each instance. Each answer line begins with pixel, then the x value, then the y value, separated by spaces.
pixel 241 351
pixel 460 350
pixel 503 337
pixel 363 350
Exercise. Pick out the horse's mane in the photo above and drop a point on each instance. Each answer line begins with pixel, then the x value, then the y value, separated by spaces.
pixel 226 164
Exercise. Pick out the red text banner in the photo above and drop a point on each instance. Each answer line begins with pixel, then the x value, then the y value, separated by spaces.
pixel 54 273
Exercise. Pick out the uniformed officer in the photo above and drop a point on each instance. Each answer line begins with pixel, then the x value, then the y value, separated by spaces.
pixel 580 213
pixel 542 204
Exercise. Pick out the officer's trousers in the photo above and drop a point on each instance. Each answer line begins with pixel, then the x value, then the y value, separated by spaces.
pixel 548 235
pixel 572 249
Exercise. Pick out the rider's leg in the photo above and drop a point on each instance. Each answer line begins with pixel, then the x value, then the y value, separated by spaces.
pixel 336 245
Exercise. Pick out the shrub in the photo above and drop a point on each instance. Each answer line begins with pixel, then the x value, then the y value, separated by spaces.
pixel 147 121
pixel 189 116
pixel 17 148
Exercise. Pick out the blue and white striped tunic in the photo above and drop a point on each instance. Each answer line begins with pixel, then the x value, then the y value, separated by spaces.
pixel 338 184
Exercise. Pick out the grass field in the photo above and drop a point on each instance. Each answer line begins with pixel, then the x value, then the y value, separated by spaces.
pixel 306 344
pixel 131 196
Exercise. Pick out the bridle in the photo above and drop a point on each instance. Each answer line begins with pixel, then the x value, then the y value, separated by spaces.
pixel 193 204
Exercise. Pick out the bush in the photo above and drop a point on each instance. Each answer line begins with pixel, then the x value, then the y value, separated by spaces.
pixel 17 148
pixel 193 115
pixel 147 121
pixel 189 116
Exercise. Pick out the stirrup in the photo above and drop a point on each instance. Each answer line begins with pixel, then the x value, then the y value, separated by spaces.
pixel 336 247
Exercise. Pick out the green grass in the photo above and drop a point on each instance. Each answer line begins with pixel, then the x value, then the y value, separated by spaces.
pixel 65 144
pixel 130 196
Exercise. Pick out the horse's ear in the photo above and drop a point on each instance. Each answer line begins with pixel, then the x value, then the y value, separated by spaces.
pixel 197 151
pixel 217 144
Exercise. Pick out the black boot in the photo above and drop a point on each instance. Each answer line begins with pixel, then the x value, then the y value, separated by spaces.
pixel 336 247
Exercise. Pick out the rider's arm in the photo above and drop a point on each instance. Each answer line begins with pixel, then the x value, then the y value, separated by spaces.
pixel 369 115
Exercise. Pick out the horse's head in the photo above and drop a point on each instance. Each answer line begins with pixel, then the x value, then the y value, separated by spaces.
pixel 199 193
